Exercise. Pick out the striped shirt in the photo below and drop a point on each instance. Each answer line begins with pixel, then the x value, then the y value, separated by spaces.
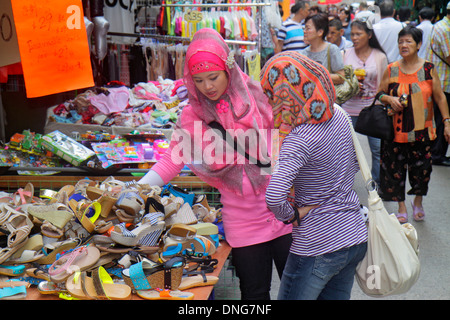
pixel 319 160
pixel 292 34
pixel 440 41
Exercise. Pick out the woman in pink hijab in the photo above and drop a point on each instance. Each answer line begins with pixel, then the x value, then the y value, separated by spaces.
pixel 221 95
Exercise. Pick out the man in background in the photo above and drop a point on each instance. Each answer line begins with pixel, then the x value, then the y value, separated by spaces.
pixel 336 35
pixel 387 30
pixel 363 12
pixel 291 35
pixel 426 16
pixel 439 55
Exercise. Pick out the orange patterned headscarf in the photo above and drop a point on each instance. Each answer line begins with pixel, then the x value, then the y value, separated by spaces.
pixel 301 89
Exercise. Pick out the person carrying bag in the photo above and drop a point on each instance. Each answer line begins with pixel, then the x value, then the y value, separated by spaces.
pixel 391 265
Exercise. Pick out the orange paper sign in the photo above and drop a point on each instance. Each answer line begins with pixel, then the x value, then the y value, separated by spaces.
pixel 53 46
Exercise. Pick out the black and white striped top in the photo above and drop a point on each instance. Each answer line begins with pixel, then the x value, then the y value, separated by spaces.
pixel 319 160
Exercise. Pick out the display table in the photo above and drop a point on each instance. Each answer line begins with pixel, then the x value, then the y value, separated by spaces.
pixel 200 293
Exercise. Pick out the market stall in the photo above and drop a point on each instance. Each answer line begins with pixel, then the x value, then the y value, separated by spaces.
pixel 73 222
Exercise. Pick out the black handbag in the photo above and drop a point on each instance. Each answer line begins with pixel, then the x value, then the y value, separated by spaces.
pixel 374 121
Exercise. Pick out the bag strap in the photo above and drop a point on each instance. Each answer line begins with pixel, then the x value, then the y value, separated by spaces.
pixel 329 58
pixel 237 148
pixel 363 165
pixel 431 46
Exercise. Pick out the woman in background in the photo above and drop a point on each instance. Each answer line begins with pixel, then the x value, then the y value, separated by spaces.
pixel 321 51
pixel 368 58
pixel 414 124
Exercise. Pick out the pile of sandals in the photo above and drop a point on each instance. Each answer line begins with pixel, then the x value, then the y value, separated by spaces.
pixel 106 240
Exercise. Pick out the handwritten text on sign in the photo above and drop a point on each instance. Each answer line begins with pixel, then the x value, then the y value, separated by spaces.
pixel 53 46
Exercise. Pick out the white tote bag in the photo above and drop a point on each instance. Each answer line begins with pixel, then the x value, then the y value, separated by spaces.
pixel 391 265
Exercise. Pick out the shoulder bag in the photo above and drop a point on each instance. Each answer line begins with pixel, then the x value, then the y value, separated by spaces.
pixel 391 264
pixel 350 87
pixel 374 121
pixel 217 126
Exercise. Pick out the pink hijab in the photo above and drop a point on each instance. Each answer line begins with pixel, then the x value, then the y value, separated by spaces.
pixel 247 108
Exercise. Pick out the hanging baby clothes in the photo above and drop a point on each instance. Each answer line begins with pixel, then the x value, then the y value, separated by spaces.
pixel 253 62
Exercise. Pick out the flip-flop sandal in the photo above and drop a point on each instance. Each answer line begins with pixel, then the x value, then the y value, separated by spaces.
pixel 402 217
pixel 418 212
pixel 165 295
pixel 99 287
pixel 80 259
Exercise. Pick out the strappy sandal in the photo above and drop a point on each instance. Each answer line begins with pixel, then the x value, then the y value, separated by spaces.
pixel 178 192
pixel 146 275
pixel 51 231
pixel 105 198
pixel 25 195
pixel 195 279
pixel 80 259
pixel 15 224
pixel 62 196
pixel 199 246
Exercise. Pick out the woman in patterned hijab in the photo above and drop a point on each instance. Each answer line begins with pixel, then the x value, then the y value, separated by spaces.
pixel 300 91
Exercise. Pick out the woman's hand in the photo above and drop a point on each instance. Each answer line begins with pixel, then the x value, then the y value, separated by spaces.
pixel 447 131
pixel 394 102
pixel 303 211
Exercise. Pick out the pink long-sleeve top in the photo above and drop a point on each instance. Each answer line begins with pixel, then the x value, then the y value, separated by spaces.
pixel 246 218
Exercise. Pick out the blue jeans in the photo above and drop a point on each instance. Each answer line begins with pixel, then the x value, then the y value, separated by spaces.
pixel 375 148
pixel 326 277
